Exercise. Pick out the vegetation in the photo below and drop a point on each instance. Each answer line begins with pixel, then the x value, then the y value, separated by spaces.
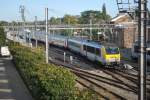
pixel 96 16
pixel 46 81
pixel 2 36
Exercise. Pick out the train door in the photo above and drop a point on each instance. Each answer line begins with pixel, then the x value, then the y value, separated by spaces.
pixel 98 54
pixel 65 43
pixel 91 53
pixel 84 50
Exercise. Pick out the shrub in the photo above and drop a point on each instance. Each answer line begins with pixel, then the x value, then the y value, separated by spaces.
pixel 2 37
pixel 45 81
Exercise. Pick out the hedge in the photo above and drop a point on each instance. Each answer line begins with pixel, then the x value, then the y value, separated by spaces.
pixel 46 81
pixel 2 37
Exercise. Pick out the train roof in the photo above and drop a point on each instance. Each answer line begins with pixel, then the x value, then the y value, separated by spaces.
pixel 58 37
pixel 95 44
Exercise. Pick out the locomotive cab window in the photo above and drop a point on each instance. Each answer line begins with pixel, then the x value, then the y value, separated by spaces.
pixel 98 51
pixel 112 50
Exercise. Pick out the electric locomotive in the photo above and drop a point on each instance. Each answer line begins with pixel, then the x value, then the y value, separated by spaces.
pixel 107 55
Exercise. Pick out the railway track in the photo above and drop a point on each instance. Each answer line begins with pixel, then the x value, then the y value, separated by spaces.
pixel 92 81
pixel 118 84
pixel 113 82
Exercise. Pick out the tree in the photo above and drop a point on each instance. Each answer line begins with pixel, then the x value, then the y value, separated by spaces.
pixel 69 19
pixel 90 14
pixel 2 36
pixel 104 10
pixel 3 23
pixel 106 17
pixel 55 21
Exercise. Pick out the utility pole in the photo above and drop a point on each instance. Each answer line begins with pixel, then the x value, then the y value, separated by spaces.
pixel 22 11
pixel 17 30
pixel 35 35
pixel 91 26
pixel 13 24
pixel 46 40
pixel 142 33
pixel 90 29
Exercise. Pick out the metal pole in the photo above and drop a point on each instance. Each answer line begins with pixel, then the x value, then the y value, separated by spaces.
pixel 17 31
pixel 64 57
pixel 13 31
pixel 46 40
pixel 142 30
pixel 35 35
pixel 90 29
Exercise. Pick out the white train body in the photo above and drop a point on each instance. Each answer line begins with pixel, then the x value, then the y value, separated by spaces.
pixel 59 41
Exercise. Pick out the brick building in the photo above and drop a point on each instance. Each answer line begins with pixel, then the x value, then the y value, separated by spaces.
pixel 125 32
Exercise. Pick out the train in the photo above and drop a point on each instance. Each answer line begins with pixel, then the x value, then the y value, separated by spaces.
pixel 135 51
pixel 103 53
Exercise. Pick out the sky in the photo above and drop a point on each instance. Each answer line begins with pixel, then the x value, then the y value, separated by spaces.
pixel 9 9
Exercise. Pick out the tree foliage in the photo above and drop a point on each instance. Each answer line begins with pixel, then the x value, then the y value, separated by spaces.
pixel 3 23
pixel 95 16
pixel 69 19
pixel 55 21
pixel 2 36
pixel 104 10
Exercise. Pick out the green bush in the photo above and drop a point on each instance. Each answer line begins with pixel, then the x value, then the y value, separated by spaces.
pixel 45 81
pixel 2 36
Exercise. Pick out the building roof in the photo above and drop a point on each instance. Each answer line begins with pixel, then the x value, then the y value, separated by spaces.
pixel 122 18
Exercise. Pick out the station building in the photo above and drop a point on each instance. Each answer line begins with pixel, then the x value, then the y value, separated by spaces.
pixel 125 31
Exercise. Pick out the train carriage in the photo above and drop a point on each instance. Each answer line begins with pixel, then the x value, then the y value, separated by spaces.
pixel 59 41
pixel 75 45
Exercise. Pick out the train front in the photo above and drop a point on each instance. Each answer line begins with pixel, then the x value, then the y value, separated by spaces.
pixel 112 56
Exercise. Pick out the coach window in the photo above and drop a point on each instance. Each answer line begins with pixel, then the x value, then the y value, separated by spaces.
pixel 84 47
pixel 74 44
pixel 90 49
